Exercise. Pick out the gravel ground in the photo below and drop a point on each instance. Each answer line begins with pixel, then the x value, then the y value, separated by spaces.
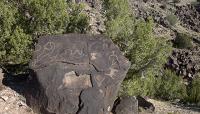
pixel 168 108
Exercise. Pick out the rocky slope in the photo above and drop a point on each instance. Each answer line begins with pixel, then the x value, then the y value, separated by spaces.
pixel 185 62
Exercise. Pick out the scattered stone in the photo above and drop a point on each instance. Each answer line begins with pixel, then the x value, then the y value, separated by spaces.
pixel 190 16
pixel 75 74
pixel 185 62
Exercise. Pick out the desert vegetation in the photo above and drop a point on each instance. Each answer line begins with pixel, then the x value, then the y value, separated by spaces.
pixel 148 54
pixel 183 41
pixel 23 21
pixel 172 19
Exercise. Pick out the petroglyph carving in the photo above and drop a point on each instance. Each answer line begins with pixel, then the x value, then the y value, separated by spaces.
pixel 77 53
pixel 48 49
pixel 47 54
pixel 114 59
pixel 112 72
pixel 99 79
pixel 93 56
pixel 49 46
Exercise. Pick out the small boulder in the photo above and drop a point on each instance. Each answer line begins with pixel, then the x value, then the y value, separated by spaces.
pixel 144 104
pixel 126 105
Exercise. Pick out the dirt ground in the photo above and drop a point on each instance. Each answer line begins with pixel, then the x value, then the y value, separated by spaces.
pixel 169 108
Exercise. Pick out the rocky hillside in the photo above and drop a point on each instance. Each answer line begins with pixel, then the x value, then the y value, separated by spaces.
pixel 185 62
pixel 170 20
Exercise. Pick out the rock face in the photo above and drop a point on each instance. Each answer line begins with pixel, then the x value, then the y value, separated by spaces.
pixel 75 74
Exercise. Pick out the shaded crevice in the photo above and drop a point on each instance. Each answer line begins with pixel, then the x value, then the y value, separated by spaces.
pixel 81 104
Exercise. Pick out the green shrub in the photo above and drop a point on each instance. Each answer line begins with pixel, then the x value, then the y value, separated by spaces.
pixel 144 50
pixel 170 86
pixel 135 37
pixel 183 41
pixel 78 21
pixel 22 21
pixel 172 19
pixel 45 16
pixel 14 44
pixel 138 85
pixel 176 1
pixel 194 91
pixel 54 17
pixel 167 86
pixel 19 43
pixel 120 21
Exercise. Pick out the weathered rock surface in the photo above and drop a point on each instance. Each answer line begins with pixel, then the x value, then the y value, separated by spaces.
pixel 126 105
pixel 75 74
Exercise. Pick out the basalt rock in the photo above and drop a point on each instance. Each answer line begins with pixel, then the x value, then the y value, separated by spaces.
pixel 126 105
pixel 75 74
pixel 190 16
pixel 144 104
pixel 185 62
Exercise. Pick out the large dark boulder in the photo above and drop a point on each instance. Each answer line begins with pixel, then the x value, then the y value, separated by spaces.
pixel 75 74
